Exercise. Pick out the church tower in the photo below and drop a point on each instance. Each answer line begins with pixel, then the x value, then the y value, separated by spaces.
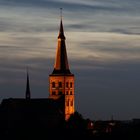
pixel 61 81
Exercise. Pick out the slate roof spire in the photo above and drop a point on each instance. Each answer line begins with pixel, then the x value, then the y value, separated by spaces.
pixel 61 61
pixel 28 93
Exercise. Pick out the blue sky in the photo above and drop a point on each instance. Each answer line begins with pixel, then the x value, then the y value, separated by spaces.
pixel 103 46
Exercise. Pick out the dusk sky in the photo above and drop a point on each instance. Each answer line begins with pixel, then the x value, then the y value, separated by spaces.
pixel 103 47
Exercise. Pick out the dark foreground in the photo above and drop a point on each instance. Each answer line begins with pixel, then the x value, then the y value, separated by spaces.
pixel 73 130
pixel 23 134
pixel 41 119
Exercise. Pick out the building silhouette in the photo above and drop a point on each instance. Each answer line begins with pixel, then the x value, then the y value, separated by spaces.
pixel 29 115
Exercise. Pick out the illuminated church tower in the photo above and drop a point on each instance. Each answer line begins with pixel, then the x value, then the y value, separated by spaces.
pixel 61 81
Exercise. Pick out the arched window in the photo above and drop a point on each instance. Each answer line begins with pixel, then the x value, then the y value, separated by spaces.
pixel 71 84
pixel 60 84
pixel 53 84
pixel 71 103
pixel 68 103
pixel 67 92
pixel 67 84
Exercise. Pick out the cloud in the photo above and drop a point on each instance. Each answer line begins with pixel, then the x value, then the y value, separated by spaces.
pixel 99 5
pixel 99 16
pixel 102 39
pixel 103 47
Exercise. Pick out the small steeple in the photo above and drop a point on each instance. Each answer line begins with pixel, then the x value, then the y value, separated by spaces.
pixel 28 94
pixel 61 62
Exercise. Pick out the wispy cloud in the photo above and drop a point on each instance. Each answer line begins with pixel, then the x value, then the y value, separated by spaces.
pixel 102 39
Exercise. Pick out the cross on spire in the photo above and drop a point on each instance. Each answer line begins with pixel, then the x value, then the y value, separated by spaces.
pixel 61 10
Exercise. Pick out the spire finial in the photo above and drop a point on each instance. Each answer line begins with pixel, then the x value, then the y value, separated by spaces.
pixel 61 10
pixel 61 31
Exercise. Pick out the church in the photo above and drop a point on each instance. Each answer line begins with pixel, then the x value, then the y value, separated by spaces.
pixel 44 113
pixel 62 80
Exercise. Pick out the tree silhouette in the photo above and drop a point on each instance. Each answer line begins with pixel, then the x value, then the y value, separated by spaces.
pixel 76 121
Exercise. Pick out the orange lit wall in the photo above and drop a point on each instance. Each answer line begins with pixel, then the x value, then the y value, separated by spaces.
pixel 63 85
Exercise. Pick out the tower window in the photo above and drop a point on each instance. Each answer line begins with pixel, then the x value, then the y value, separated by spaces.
pixel 67 92
pixel 68 103
pixel 67 84
pixel 53 93
pixel 60 84
pixel 53 84
pixel 70 92
pixel 71 103
pixel 71 84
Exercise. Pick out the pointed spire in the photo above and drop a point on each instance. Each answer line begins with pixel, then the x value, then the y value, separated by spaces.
pixel 28 94
pixel 61 31
pixel 61 62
